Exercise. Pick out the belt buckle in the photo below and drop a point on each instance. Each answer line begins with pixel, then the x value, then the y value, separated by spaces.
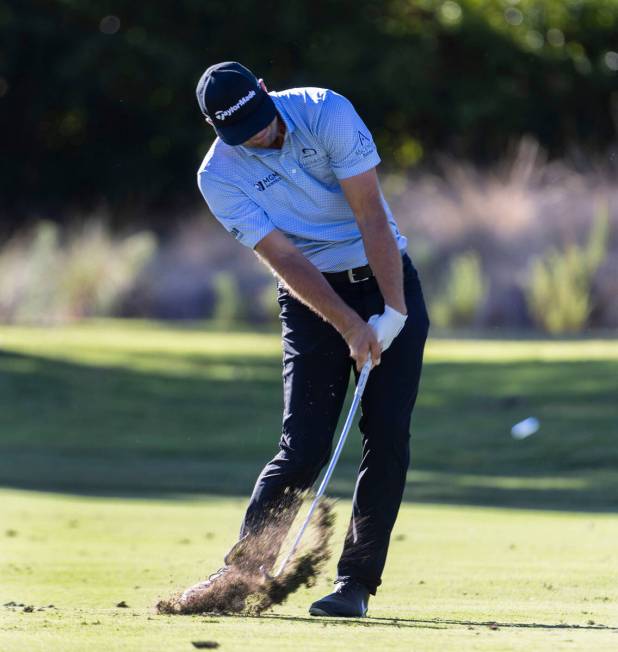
pixel 353 279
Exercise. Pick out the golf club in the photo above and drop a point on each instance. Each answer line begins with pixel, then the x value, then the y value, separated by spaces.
pixel 358 393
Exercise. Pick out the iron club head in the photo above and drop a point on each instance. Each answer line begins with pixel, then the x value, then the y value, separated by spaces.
pixel 265 574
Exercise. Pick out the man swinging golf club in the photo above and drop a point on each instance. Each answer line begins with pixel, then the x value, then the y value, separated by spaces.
pixel 292 175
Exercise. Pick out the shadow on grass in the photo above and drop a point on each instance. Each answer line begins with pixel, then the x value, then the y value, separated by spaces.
pixel 207 425
pixel 437 623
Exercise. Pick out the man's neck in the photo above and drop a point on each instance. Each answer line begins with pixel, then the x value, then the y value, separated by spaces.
pixel 278 142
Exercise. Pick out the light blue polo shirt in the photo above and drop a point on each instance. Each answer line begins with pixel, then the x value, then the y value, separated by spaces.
pixel 296 189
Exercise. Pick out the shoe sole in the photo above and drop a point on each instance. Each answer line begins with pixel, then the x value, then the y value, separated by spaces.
pixel 316 611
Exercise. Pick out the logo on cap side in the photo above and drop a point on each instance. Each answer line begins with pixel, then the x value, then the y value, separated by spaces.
pixel 222 115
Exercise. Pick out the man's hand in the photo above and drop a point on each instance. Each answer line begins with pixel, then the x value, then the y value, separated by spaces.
pixel 362 340
pixel 387 326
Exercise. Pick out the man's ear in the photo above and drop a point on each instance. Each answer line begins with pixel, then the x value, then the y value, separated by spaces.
pixel 262 85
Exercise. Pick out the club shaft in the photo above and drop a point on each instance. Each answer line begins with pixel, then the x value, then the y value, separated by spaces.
pixel 358 393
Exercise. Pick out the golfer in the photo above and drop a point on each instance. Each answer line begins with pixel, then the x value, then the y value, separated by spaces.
pixel 292 175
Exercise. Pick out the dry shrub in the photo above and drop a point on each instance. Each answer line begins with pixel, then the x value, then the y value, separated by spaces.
pixel 509 215
pixel 505 215
pixel 464 202
pixel 243 588
pixel 48 275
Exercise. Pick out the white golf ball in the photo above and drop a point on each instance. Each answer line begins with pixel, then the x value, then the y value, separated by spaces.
pixel 525 428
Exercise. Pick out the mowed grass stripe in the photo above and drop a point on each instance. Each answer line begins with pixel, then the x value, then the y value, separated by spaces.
pixel 102 340
pixel 123 406
pixel 458 579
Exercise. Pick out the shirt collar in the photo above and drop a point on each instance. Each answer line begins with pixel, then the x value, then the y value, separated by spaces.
pixel 289 125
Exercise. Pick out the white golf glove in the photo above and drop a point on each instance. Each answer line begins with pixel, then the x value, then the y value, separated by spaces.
pixel 387 326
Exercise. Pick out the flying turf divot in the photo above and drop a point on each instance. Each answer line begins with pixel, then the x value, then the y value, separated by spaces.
pixel 243 589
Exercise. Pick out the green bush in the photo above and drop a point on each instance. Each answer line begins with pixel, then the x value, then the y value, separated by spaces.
pixel 228 303
pixel 463 293
pixel 269 305
pixel 464 76
pixel 559 293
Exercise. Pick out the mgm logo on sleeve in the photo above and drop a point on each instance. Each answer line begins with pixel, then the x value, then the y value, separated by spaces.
pixel 268 181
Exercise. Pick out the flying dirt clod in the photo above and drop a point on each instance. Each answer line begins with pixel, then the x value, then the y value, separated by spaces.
pixel 243 589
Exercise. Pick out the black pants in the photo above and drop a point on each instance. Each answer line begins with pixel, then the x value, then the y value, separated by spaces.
pixel 316 372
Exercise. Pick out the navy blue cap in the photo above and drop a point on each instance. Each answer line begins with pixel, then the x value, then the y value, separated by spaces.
pixel 231 96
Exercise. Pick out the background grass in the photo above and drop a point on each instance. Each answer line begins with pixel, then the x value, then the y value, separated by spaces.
pixel 127 451
pixel 458 579
pixel 116 407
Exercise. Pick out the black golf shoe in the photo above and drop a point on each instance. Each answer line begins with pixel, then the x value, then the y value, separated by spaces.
pixel 349 600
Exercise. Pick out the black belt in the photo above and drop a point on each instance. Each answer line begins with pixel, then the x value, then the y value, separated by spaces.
pixel 356 275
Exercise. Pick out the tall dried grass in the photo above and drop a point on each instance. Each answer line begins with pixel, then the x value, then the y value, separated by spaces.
pixel 505 218
pixel 49 276
pixel 509 216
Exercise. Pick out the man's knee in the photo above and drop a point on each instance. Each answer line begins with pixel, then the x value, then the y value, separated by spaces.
pixel 387 435
pixel 301 464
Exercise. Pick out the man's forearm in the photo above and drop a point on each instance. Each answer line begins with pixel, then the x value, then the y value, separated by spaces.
pixel 363 194
pixel 309 286
pixel 384 259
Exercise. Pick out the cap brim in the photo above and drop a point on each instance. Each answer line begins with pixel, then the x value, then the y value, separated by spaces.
pixel 259 119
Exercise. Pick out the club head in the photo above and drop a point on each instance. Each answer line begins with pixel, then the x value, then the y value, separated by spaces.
pixel 265 574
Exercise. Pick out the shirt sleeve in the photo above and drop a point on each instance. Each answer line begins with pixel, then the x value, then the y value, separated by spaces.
pixel 345 137
pixel 238 214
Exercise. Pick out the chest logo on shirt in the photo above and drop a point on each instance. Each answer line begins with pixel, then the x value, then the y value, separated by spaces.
pixel 268 181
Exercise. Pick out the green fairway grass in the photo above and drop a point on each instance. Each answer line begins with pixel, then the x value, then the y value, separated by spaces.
pixel 458 579
pixel 131 407
pixel 128 449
